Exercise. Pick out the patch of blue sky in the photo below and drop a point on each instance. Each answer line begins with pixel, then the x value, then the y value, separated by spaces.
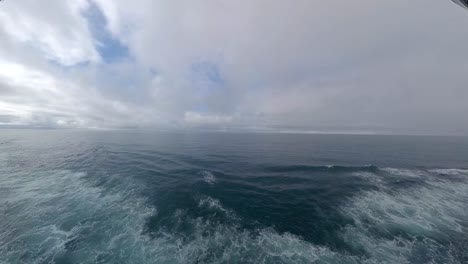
pixel 110 48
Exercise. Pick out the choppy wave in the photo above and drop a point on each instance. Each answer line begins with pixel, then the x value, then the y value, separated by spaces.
pixel 404 172
pixel 213 241
pixel 62 217
pixel 72 217
pixel 427 223
pixel 450 171
pixel 59 216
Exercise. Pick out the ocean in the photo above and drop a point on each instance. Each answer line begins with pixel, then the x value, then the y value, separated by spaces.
pixel 77 196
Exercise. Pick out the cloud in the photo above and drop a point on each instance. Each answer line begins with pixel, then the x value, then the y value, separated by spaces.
pixel 57 30
pixel 206 119
pixel 378 66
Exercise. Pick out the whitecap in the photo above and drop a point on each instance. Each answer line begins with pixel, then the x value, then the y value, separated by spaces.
pixel 223 243
pixel 369 176
pixel 60 214
pixel 405 172
pixel 208 177
pixel 463 172
pixel 67 215
pixel 394 226
pixel 211 203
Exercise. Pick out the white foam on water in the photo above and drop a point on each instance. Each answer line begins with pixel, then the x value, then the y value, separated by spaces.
pixel 463 172
pixel 212 242
pixel 208 177
pixel 54 215
pixel 369 176
pixel 405 172
pixel 399 226
pixel 66 217
pixel 211 203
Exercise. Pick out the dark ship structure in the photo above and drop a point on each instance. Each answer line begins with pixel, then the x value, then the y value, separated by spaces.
pixel 462 3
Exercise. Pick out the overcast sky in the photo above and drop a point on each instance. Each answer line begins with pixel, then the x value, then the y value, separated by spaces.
pixel 366 66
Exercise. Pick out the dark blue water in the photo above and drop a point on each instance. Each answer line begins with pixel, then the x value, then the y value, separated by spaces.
pixel 147 197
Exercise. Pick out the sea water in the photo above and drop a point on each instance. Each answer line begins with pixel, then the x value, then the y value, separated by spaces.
pixel 71 196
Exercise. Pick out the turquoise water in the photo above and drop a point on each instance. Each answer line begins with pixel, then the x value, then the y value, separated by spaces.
pixel 148 197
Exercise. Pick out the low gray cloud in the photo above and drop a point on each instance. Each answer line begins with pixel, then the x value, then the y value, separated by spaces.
pixel 331 66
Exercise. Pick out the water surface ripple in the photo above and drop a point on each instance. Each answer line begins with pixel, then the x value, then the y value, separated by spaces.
pixel 148 197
